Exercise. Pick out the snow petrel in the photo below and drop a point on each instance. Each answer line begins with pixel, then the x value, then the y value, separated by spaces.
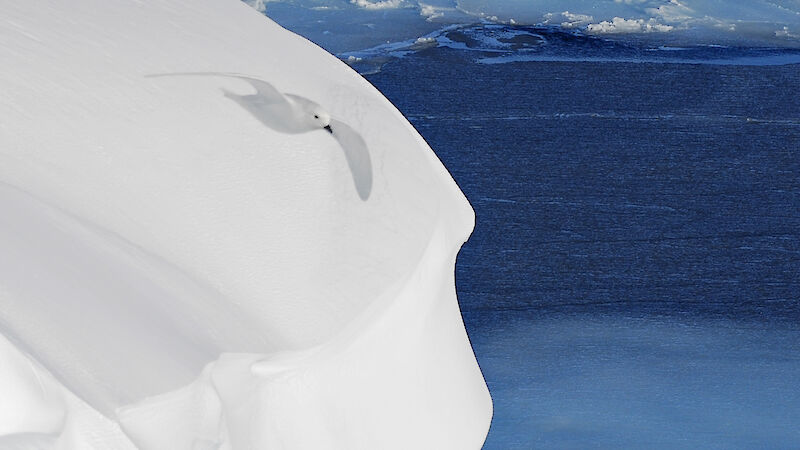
pixel 293 114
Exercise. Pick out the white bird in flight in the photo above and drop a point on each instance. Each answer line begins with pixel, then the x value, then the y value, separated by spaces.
pixel 293 114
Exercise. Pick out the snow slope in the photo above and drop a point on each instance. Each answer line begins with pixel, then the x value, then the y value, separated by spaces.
pixel 174 274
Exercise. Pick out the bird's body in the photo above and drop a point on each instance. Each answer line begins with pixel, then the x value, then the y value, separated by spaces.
pixel 295 114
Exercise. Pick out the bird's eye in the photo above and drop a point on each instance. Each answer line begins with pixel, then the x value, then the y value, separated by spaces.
pixel 316 116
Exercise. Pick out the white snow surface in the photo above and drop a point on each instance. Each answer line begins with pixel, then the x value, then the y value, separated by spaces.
pixel 175 275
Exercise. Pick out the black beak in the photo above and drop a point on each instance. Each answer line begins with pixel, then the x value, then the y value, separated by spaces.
pixel 330 130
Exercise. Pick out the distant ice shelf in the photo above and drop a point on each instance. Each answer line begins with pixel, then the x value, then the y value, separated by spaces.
pixel 344 25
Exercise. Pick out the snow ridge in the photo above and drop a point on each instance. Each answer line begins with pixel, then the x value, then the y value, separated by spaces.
pixel 174 273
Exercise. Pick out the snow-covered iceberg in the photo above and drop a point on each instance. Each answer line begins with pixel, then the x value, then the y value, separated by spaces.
pixel 177 274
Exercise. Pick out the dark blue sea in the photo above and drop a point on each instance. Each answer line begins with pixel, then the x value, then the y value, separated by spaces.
pixel 633 280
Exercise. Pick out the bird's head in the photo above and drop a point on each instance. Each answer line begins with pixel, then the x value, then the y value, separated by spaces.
pixel 321 118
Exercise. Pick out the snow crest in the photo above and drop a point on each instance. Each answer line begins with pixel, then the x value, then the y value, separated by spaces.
pixel 174 274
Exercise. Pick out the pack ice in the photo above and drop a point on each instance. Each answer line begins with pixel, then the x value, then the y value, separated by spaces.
pixel 175 274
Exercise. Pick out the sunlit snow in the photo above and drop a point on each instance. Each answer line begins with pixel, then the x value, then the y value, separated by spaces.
pixel 182 269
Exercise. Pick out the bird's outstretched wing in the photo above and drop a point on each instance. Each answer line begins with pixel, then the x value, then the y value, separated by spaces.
pixel 265 91
pixel 357 155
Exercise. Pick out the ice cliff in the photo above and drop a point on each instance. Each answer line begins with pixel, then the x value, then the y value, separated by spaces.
pixel 175 273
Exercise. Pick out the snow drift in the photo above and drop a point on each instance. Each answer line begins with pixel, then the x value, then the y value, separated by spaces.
pixel 176 275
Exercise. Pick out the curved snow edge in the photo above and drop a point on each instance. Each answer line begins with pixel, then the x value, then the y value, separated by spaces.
pixel 408 353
